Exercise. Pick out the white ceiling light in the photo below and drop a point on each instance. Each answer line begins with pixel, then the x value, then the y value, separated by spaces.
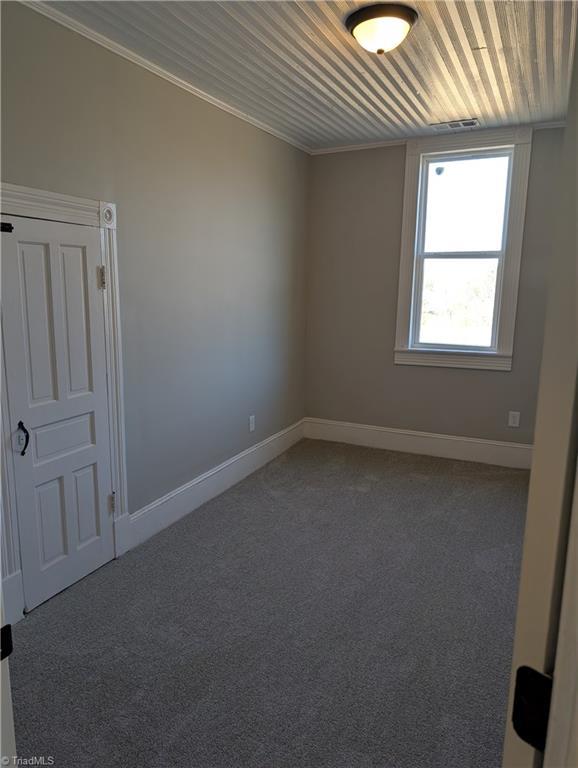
pixel 381 27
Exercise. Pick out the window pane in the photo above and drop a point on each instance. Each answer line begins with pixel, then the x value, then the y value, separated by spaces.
pixel 458 301
pixel 465 204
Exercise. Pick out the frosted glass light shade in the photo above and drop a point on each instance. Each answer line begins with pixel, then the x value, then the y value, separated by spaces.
pixel 381 35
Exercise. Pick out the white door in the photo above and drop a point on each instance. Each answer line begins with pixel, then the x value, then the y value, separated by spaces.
pixel 54 346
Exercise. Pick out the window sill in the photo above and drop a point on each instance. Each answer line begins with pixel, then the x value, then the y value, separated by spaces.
pixel 486 361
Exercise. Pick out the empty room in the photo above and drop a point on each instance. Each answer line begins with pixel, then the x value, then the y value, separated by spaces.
pixel 289 384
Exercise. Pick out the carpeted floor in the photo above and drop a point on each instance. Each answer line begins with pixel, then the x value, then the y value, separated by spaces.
pixel 343 607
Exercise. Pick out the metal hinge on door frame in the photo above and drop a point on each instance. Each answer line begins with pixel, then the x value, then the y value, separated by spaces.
pixel 101 276
pixel 112 502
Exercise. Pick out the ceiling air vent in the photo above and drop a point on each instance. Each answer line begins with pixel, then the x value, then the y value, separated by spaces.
pixel 456 125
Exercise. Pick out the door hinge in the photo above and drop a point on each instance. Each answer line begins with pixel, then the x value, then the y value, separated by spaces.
pixel 112 502
pixel 101 276
pixel 6 227
pixel 5 641
pixel 531 710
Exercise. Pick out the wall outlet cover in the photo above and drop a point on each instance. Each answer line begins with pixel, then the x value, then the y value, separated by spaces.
pixel 513 418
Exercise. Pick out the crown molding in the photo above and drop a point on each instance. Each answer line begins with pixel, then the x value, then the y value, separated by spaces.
pixel 551 124
pixel 357 147
pixel 433 136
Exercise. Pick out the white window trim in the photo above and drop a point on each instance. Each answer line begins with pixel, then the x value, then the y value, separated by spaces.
pixel 500 357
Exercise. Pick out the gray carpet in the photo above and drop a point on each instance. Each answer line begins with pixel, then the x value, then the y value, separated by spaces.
pixel 341 608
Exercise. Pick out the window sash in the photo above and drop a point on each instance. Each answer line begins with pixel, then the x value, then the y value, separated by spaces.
pixel 417 309
pixel 420 255
pixel 448 157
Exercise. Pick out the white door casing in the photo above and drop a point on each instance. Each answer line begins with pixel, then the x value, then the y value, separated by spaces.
pixel 562 738
pixel 55 357
pixel 7 737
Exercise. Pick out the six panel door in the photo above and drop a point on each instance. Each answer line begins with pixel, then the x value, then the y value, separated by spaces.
pixel 54 344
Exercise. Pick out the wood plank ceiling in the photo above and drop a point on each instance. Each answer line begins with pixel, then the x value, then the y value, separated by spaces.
pixel 292 68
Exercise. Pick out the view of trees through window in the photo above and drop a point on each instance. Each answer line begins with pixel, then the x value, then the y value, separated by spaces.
pixel 458 301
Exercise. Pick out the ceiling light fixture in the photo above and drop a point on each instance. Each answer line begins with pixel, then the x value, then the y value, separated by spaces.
pixel 381 27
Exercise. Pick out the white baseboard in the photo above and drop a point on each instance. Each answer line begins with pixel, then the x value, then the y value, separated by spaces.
pixel 131 530
pixel 427 443
pixel 13 597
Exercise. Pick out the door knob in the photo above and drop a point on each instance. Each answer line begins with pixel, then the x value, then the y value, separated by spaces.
pixel 26 435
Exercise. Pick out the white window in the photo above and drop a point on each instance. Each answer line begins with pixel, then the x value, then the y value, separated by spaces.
pixel 463 218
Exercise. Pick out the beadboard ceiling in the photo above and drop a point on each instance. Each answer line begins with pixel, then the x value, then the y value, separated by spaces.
pixel 292 68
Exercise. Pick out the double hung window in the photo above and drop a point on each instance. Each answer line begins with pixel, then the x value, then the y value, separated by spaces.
pixel 462 234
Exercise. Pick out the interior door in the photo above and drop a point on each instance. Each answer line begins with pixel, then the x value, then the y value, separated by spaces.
pixel 54 346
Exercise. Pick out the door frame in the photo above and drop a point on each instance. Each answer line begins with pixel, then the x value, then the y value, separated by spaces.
pixel 52 206
pixel 562 736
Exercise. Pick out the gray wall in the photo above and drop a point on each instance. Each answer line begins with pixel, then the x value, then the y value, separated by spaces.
pixel 211 243
pixel 353 265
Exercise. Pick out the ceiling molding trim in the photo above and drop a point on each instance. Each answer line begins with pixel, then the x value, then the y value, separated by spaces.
pixel 399 142
pixel 551 124
pixel 47 10
pixel 357 147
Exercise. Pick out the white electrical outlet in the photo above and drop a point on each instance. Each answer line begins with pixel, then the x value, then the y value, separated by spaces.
pixel 252 423
pixel 513 418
